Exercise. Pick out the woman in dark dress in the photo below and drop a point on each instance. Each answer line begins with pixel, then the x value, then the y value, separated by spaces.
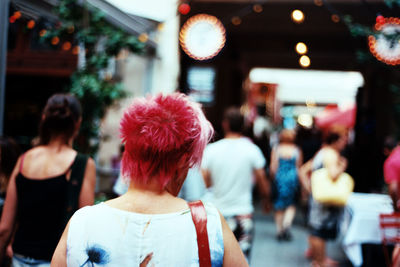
pixel 37 197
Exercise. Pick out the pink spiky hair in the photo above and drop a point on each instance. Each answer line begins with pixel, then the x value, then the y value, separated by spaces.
pixel 162 133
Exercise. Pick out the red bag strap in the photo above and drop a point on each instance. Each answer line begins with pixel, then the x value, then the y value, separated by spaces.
pixel 199 217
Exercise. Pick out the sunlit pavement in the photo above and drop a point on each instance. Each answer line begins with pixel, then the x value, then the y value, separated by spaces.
pixel 267 251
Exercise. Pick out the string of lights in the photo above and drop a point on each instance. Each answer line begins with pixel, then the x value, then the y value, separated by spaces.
pixel 377 37
pixel 236 18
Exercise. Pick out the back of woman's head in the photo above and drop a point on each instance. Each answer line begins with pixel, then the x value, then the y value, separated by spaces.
pixel 333 134
pixel 59 118
pixel 162 134
pixel 287 136
pixel 235 120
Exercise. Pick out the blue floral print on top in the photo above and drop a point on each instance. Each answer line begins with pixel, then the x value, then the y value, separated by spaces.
pixel 121 238
pixel 96 255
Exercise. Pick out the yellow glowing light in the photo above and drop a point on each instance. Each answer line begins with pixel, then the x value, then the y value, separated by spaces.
pixel 236 20
pixel 160 27
pixel 310 103
pixel 143 37
pixel 301 48
pixel 304 61
pixel 297 16
pixel 257 8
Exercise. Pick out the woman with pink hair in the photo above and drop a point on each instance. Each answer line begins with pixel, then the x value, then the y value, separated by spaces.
pixel 164 136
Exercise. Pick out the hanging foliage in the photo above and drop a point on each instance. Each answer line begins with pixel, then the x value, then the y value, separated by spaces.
pixel 86 28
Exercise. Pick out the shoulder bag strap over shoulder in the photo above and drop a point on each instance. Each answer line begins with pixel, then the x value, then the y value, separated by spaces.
pixel 75 185
pixel 199 217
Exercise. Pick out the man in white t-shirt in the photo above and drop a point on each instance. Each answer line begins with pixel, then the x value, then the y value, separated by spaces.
pixel 232 166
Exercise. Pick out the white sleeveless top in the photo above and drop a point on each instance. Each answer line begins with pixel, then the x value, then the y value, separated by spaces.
pixel 101 235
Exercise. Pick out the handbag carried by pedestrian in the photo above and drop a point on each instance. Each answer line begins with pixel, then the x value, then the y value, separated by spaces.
pixel 329 191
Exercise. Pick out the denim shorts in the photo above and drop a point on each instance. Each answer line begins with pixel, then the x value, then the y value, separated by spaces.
pixel 23 261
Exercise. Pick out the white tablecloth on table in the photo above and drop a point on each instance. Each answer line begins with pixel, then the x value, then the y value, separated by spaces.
pixel 361 223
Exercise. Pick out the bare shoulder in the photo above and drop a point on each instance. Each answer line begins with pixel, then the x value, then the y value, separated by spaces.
pixel 91 163
pixel 34 152
pixel 45 161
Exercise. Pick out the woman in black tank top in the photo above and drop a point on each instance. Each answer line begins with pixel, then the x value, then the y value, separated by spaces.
pixel 38 196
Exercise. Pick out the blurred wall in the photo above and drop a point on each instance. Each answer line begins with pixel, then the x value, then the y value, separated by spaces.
pixel 142 75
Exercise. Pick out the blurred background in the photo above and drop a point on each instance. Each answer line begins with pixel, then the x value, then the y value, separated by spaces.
pixel 288 62
pixel 296 64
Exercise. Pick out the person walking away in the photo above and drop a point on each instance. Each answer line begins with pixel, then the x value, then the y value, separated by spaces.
pixel 286 159
pixel 229 166
pixel 38 199
pixel 324 219
pixel 391 174
pixel 391 170
pixel 164 136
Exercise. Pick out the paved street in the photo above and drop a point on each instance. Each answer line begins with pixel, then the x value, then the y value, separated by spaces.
pixel 267 251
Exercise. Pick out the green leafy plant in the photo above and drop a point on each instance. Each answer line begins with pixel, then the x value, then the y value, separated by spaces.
pixel 86 26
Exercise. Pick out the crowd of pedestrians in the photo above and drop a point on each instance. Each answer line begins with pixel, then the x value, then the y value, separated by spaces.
pixel 49 216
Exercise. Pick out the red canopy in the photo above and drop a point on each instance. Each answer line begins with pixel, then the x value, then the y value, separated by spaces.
pixel 335 116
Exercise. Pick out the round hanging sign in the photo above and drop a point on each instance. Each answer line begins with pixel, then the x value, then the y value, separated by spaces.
pixel 385 45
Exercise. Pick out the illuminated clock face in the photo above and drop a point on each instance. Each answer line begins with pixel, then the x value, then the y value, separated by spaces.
pixel 202 37
pixel 385 44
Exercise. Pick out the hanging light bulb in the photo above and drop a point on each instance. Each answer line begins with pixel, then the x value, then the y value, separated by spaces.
pixel 335 18
pixel 66 46
pixel 305 61
pixel 236 20
pixel 318 2
pixel 297 16
pixel 257 8
pixel 42 33
pixel 380 19
pixel 184 8
pixel 30 24
pixel 301 48
pixel 143 37
pixel 55 40
pixel 17 14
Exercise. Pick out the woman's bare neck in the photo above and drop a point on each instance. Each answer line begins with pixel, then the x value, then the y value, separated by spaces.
pixel 148 200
